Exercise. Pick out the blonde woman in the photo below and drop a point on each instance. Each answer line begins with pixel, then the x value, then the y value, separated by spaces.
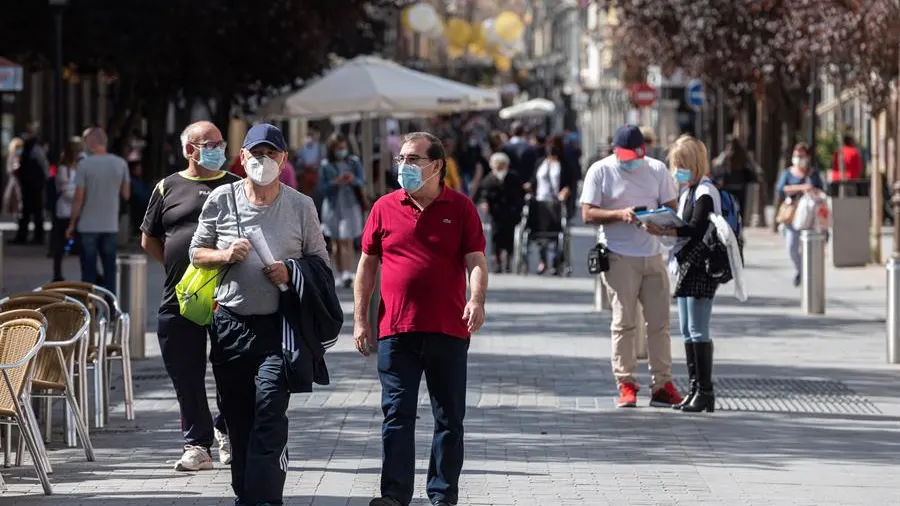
pixel 12 193
pixel 694 289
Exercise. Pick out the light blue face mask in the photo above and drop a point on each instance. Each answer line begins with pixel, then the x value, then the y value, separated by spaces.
pixel 410 177
pixel 631 165
pixel 683 176
pixel 341 154
pixel 212 159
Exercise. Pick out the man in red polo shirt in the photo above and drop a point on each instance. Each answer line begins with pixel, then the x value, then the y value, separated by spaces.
pixel 426 237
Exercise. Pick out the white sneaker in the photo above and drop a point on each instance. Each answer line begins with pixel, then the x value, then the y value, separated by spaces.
pixel 224 447
pixel 194 458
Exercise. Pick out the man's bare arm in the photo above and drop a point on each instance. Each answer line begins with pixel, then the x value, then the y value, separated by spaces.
pixel 593 215
pixel 154 247
pixel 476 264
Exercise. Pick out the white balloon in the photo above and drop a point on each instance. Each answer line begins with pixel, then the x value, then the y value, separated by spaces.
pixel 423 17
pixel 437 31
pixel 488 27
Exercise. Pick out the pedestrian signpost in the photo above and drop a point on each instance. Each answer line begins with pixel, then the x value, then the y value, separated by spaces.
pixel 695 96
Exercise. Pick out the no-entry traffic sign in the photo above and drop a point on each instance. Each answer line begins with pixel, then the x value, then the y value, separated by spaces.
pixel 643 95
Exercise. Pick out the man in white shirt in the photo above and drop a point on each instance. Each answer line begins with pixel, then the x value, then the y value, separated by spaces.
pixel 614 188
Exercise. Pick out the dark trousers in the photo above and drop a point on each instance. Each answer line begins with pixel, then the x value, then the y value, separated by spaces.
pixel 254 399
pixel 503 236
pixel 401 361
pixel 57 245
pixel 183 346
pixel 103 245
pixel 32 212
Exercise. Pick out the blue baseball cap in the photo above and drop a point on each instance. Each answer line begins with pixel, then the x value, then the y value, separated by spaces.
pixel 628 143
pixel 265 133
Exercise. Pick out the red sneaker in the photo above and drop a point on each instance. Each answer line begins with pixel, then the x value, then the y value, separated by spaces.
pixel 627 395
pixel 666 396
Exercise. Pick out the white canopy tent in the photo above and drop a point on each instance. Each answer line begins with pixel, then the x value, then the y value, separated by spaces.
pixel 535 108
pixel 369 87
pixel 381 88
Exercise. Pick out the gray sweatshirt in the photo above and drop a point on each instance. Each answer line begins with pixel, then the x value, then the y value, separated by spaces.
pixel 290 225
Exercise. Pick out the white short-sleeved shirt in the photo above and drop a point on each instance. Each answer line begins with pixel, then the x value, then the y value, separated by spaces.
pixel 608 187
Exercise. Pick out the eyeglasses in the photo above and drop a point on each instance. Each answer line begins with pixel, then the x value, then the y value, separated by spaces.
pixel 414 159
pixel 210 145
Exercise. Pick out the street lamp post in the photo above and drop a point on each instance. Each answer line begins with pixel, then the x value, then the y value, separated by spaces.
pixel 58 131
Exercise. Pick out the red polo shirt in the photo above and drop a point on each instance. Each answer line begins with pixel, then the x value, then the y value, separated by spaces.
pixel 423 266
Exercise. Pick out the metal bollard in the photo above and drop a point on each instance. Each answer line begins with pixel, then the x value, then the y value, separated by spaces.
pixel 131 288
pixel 893 311
pixel 601 296
pixel 813 247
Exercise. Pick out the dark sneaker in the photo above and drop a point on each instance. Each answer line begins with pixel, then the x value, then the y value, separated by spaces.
pixel 666 396
pixel 385 501
pixel 797 280
pixel 627 395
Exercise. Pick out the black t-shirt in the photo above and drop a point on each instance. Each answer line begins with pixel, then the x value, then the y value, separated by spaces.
pixel 172 216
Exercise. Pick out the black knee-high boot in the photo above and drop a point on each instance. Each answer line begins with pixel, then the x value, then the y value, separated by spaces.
pixel 705 398
pixel 691 359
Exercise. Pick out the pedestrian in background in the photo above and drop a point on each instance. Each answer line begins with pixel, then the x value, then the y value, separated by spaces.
pixel 101 179
pixel 425 237
pixel 342 179
pixel 65 197
pixel 246 350
pixel 694 288
pixel 167 229
pixel 502 197
pixel 794 181
pixel 552 184
pixel 613 188
pixel 733 170
pixel 31 173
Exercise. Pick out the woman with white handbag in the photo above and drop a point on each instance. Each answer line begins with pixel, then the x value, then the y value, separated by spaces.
pixel 795 181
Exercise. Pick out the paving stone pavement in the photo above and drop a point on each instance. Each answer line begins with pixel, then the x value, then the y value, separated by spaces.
pixel 808 411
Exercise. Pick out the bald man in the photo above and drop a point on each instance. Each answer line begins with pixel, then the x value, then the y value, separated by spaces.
pixel 100 179
pixel 170 222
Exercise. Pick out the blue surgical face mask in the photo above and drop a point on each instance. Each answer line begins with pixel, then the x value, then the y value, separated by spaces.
pixel 683 176
pixel 410 177
pixel 631 165
pixel 340 154
pixel 212 159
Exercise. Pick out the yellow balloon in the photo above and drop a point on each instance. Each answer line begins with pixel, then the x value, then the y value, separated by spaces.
pixel 477 50
pixel 458 32
pixel 502 63
pixel 404 18
pixel 478 36
pixel 508 26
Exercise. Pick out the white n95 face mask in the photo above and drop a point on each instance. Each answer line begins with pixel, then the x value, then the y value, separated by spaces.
pixel 262 170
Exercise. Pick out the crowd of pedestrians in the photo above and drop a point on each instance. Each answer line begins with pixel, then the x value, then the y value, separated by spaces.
pixel 276 257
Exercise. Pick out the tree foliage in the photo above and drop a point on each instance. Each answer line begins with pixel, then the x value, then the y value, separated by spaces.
pixel 766 46
pixel 198 48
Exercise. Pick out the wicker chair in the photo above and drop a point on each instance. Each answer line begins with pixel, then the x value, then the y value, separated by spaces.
pixel 20 341
pixel 17 314
pixel 29 301
pixel 69 322
pixel 86 356
pixel 118 346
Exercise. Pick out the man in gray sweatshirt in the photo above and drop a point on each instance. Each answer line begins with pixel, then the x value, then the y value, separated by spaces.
pixel 246 352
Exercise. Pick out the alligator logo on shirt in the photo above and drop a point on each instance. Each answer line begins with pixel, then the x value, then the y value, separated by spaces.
pixel 447 221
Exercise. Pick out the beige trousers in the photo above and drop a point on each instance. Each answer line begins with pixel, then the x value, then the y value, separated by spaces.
pixel 644 279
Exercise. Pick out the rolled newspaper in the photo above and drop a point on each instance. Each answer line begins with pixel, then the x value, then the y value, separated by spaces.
pixel 258 240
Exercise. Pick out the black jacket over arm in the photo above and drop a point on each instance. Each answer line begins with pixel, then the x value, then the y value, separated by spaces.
pixel 312 321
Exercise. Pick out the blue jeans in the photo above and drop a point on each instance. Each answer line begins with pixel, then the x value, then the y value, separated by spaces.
pixel 694 315
pixel 94 244
pixel 401 361
pixel 792 241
